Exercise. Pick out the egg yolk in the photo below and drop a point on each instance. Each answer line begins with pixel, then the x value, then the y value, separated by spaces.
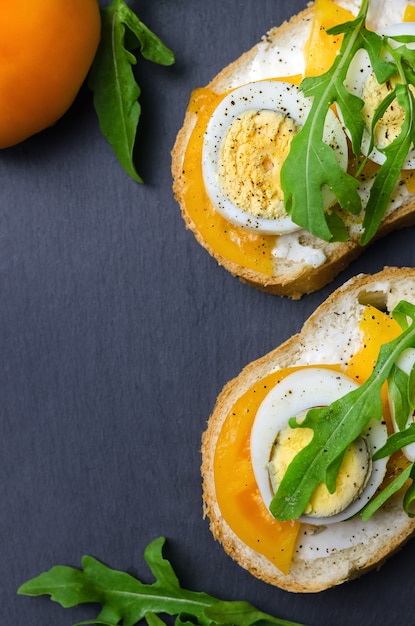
pixel 237 493
pixel 254 148
pixel 389 126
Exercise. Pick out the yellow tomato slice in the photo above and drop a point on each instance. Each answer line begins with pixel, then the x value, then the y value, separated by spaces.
pixel 408 177
pixel 321 49
pixel 409 14
pixel 377 328
pixel 236 244
pixel 237 493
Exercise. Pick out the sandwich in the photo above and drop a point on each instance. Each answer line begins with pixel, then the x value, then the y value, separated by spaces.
pixel 299 154
pixel 308 455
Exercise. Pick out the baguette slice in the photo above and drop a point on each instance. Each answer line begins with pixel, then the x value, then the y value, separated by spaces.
pixel 292 275
pixel 331 335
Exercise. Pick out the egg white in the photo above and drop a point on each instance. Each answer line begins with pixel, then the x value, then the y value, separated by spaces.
pixel 296 393
pixel 360 70
pixel 263 95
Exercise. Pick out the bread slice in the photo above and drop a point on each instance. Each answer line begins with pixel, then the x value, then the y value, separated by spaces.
pixel 292 274
pixel 331 335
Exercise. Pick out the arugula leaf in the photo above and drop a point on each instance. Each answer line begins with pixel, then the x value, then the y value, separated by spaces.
pixel 400 392
pixel 303 197
pixel 336 426
pixel 396 442
pixel 411 388
pixel 384 495
pixel 124 599
pixel 308 152
pixel 396 153
pixel 153 620
pixel 242 614
pixel 398 385
pixel 409 496
pixel 112 80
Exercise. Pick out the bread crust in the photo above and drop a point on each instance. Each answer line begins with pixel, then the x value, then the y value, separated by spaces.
pixel 391 525
pixel 292 279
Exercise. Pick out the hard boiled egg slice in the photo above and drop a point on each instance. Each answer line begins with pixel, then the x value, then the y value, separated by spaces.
pixel 271 448
pixel 406 363
pixel 361 81
pixel 246 142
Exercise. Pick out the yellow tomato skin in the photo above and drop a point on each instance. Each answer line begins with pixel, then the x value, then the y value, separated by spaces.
pixel 46 50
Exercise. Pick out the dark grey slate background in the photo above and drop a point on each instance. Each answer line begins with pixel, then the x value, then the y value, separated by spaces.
pixel 117 332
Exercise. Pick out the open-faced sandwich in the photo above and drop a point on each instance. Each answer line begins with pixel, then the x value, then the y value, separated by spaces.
pixel 300 153
pixel 308 457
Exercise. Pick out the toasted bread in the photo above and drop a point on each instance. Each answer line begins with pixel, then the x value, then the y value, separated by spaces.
pixel 292 272
pixel 330 336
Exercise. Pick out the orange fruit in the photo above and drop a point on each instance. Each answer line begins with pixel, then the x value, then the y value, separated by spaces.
pixel 46 50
